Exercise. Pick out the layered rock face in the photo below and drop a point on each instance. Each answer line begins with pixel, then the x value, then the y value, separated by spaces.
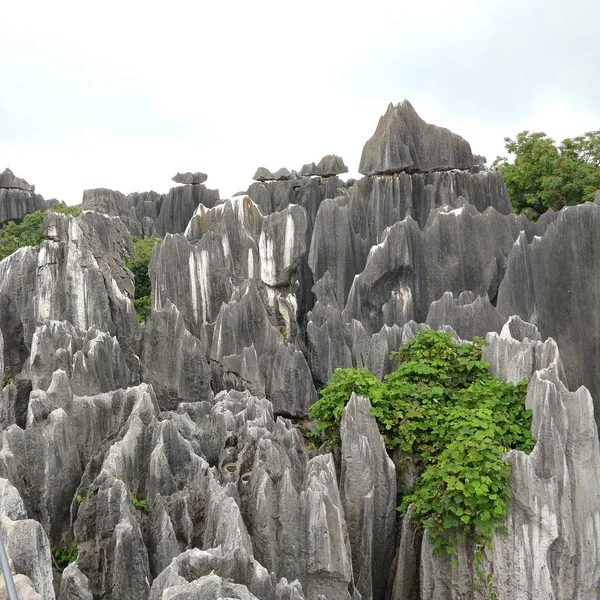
pixel 174 451
pixel 17 198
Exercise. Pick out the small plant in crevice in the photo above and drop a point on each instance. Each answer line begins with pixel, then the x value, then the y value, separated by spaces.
pixel 443 409
pixel 6 379
pixel 65 555
pixel 79 498
pixel 140 503
pixel 281 325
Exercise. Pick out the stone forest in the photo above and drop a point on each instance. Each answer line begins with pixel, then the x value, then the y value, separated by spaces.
pixel 383 388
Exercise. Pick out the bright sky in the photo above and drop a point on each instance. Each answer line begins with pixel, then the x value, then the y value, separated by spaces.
pixel 123 94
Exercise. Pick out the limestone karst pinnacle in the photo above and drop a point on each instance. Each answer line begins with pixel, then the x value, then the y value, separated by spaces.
pixel 404 142
pixel 174 451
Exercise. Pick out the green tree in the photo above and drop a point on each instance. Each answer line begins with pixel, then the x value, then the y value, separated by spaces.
pixel 545 176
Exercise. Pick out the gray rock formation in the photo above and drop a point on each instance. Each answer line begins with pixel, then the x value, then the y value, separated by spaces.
pixel 17 198
pixel 328 166
pixel 76 275
pixel 174 451
pixel 553 282
pixel 468 315
pixel 26 546
pixel 190 178
pixel 368 491
pixel 9 181
pixel 151 214
pixel 263 174
pixel 404 142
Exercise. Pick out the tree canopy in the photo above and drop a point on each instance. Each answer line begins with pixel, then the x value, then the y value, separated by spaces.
pixel 545 176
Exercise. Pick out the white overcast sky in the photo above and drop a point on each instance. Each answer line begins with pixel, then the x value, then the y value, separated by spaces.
pixel 123 94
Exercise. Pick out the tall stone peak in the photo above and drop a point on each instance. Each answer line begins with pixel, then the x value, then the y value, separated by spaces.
pixel 404 142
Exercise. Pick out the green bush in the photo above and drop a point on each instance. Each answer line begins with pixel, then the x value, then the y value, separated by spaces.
pixel 27 233
pixel 30 231
pixel 65 555
pixel 327 410
pixel 138 265
pixel 443 408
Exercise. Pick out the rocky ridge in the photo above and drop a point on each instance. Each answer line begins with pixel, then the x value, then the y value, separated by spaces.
pixel 173 451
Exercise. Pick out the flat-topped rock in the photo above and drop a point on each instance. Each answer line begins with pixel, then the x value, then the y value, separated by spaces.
pixel 328 166
pixel 404 142
pixel 190 178
pixel 263 174
pixel 9 181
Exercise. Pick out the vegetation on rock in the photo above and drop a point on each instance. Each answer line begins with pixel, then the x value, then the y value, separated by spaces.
pixel 545 176
pixel 30 231
pixel 443 409
pixel 65 555
pixel 138 265
pixel 6 379
pixel 140 504
pixel 27 233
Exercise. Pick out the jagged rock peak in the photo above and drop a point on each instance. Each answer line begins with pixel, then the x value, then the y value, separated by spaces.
pixel 328 166
pixel 404 142
pixel 263 174
pixel 9 181
pixel 190 178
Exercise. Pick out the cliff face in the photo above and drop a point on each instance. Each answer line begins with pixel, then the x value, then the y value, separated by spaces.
pixel 173 451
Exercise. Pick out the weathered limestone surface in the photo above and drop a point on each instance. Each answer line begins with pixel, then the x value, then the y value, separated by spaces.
pixel 152 214
pixel 17 198
pixel 26 546
pixel 190 178
pixel 368 490
pixel 404 142
pixel 553 281
pixel 174 451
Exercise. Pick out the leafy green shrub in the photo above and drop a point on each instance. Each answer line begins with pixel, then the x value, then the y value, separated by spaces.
pixel 30 231
pixel 140 504
pixel 327 410
pixel 27 233
pixel 65 555
pixel 443 408
pixel 138 265
pixel 79 498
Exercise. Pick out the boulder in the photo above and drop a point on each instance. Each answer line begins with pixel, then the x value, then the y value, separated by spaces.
pixel 263 174
pixel 190 178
